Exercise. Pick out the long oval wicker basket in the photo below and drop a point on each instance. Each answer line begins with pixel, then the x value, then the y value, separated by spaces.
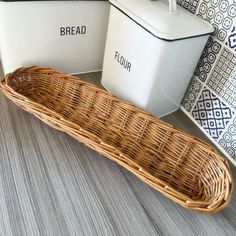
pixel 182 167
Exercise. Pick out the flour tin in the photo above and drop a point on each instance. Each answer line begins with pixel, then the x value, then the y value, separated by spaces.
pixel 152 49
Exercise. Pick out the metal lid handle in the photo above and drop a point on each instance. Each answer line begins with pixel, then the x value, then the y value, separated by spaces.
pixel 172 7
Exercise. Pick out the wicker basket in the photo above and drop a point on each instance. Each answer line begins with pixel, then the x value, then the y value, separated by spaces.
pixel 183 168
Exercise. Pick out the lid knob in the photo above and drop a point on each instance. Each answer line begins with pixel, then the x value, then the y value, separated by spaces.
pixel 172 7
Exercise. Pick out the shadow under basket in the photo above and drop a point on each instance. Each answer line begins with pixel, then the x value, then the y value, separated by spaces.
pixel 183 168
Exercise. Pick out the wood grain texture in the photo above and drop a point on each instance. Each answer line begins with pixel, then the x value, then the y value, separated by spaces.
pixel 50 184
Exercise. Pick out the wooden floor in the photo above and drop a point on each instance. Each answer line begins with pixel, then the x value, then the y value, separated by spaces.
pixel 51 184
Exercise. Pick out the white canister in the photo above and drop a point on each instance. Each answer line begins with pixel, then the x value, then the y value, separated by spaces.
pixel 151 52
pixel 67 35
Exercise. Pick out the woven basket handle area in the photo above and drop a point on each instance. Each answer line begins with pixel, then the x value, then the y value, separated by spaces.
pixel 10 76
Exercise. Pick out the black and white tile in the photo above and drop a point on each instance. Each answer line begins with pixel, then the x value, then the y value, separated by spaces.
pixel 228 93
pixel 192 94
pixel 231 40
pixel 228 140
pixel 220 13
pixel 212 114
pixel 207 59
pixel 223 71
pixel 190 5
pixel 214 106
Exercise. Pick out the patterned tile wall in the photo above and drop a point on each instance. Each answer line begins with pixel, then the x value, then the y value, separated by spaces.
pixel 190 5
pixel 211 113
pixel 207 59
pixel 228 140
pixel 211 97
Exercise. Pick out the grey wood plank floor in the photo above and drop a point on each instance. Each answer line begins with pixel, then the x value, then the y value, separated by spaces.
pixel 50 184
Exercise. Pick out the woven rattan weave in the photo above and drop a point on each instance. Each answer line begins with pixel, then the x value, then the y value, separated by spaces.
pixel 183 168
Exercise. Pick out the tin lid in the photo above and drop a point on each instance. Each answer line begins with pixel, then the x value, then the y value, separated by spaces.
pixel 154 16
